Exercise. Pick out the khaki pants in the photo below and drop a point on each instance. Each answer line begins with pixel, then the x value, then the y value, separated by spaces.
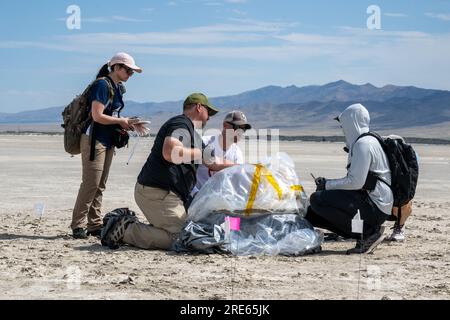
pixel 94 177
pixel 166 214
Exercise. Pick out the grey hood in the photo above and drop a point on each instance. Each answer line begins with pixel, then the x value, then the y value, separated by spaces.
pixel 355 121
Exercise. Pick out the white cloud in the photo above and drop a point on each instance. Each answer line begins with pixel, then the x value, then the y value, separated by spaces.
pixel 107 19
pixel 157 38
pixel 364 32
pixel 213 4
pixel 236 1
pixel 302 38
pixel 171 3
pixel 245 41
pixel 244 25
pixel 440 16
pixel 148 10
pixel 356 54
pixel 239 12
pixel 395 15
pixel 32 93
pixel 91 20
pixel 127 19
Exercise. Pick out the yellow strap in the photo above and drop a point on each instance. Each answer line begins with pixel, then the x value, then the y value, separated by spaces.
pixel 255 184
pixel 297 187
pixel 254 189
pixel 270 178
pixel 273 183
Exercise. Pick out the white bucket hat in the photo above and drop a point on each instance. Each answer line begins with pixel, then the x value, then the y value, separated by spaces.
pixel 125 59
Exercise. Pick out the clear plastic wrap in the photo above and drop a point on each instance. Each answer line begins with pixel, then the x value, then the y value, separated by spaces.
pixel 251 210
pixel 268 234
pixel 271 235
pixel 246 190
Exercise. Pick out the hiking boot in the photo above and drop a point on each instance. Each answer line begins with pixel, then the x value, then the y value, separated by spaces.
pixel 368 245
pixel 79 233
pixel 397 234
pixel 113 232
pixel 95 233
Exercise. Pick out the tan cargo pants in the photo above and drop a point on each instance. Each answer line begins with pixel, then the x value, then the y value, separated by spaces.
pixel 165 213
pixel 94 176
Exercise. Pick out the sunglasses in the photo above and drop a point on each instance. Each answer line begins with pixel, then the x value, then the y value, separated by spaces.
pixel 236 127
pixel 129 71
pixel 210 112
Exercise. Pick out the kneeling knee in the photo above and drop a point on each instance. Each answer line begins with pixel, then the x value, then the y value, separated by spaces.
pixel 314 199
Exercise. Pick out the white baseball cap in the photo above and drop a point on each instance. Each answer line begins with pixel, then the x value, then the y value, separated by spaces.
pixel 126 59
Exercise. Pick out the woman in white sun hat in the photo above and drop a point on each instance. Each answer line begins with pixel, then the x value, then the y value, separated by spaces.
pixel 105 103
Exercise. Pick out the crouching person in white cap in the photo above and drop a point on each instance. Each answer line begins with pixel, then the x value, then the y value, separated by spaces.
pixel 224 146
pixel 337 201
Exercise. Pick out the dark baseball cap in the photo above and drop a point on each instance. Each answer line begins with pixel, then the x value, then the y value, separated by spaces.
pixel 203 100
pixel 237 118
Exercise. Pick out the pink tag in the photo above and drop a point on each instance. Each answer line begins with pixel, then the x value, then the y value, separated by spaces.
pixel 235 223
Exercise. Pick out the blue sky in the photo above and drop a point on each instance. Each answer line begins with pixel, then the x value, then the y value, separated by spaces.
pixel 219 47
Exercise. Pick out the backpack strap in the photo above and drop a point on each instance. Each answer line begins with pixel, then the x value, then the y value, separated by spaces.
pixel 375 135
pixel 111 98
pixel 111 89
pixel 383 146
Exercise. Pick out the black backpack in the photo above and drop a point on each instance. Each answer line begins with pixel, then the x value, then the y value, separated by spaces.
pixel 403 165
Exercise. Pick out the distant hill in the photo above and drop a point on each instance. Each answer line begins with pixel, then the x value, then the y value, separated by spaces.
pixel 294 107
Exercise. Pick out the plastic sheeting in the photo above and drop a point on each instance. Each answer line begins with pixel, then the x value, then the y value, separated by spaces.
pixel 265 203
pixel 273 186
pixel 284 234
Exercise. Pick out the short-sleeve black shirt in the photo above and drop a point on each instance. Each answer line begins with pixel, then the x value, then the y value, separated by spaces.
pixel 159 173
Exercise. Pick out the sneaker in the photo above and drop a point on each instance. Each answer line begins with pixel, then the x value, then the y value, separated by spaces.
pixel 113 232
pixel 397 235
pixel 368 246
pixel 95 233
pixel 331 236
pixel 79 233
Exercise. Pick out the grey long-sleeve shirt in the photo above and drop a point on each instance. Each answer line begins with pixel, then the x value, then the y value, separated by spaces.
pixel 365 155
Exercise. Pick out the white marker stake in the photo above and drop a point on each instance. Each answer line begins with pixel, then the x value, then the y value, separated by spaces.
pixel 357 227
pixel 39 209
pixel 357 223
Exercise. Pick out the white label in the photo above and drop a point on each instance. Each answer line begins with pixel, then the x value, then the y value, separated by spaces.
pixel 357 223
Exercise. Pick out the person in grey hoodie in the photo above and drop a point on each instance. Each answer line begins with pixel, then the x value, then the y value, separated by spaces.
pixel 337 201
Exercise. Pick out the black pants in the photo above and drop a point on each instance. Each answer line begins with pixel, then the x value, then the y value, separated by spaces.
pixel 334 210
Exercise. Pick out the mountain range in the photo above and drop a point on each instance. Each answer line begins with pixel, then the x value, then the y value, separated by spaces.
pixel 309 107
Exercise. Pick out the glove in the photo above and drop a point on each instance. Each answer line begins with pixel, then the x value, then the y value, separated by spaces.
pixel 320 183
